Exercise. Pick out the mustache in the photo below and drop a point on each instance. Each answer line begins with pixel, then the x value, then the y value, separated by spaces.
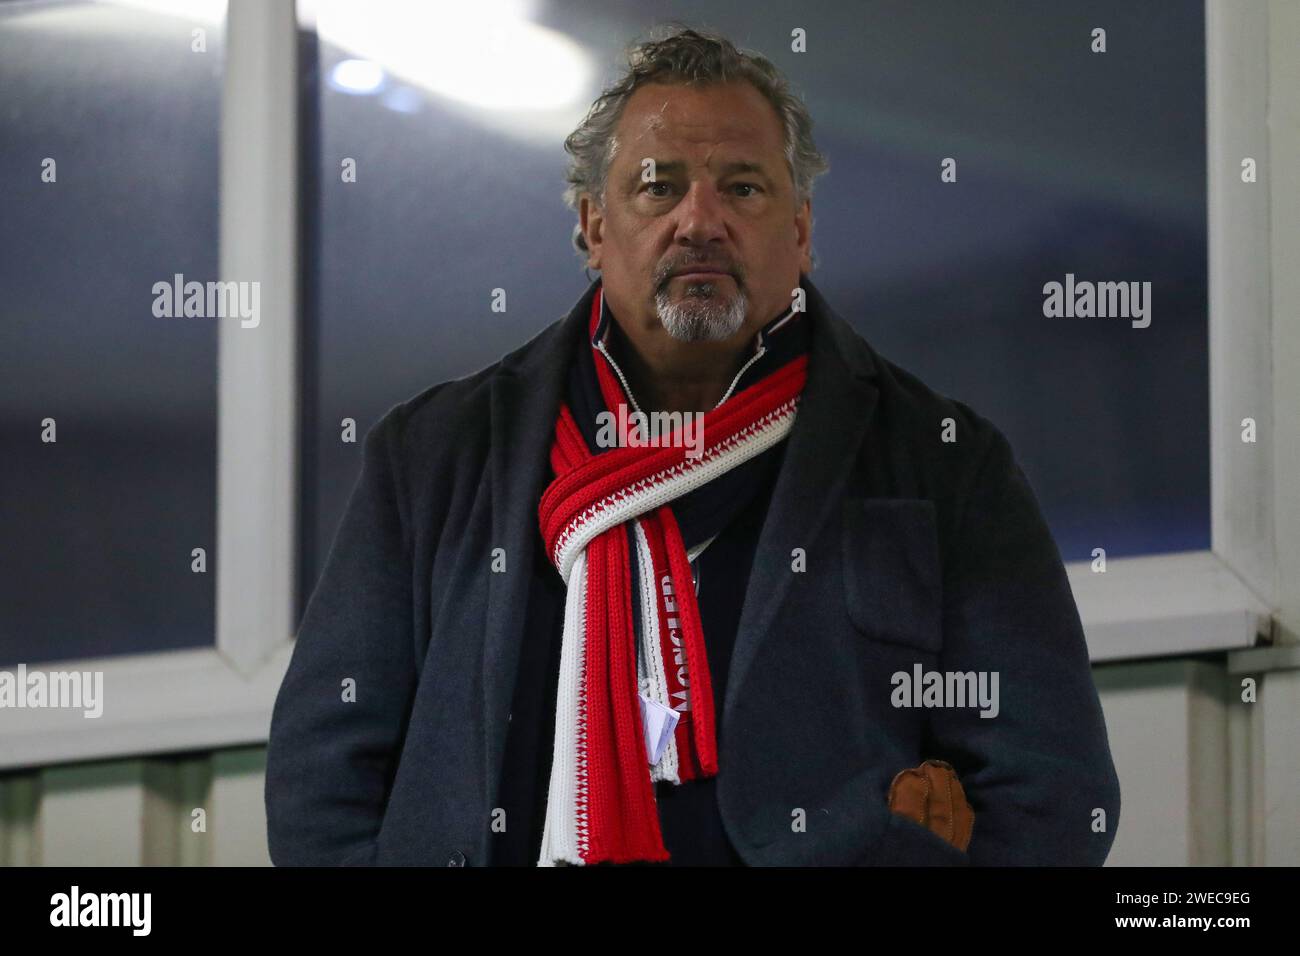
pixel 667 272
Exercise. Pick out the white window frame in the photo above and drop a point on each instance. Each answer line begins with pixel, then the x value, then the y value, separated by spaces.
pixel 1226 598
pixel 1222 599
pixel 222 696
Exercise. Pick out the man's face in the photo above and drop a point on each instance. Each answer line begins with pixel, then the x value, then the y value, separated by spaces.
pixel 721 201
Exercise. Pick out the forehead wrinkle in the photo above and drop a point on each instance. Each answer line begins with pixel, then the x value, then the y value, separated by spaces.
pixel 710 132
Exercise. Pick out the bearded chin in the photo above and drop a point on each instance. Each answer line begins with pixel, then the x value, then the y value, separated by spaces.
pixel 696 318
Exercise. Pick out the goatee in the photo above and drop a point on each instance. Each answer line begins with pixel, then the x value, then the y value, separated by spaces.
pixel 703 314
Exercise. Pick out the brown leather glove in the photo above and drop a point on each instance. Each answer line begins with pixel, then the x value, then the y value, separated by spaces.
pixel 932 796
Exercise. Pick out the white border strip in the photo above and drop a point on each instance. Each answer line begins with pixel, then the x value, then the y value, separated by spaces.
pixel 257 494
pixel 1241 474
pixel 155 703
pixel 1165 605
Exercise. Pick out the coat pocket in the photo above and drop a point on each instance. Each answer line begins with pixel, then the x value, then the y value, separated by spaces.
pixel 892 575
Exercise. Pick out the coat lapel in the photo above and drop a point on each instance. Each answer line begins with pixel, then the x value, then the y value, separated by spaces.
pixel 526 393
pixel 834 413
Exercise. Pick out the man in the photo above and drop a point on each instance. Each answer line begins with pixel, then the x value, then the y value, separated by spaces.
pixel 551 632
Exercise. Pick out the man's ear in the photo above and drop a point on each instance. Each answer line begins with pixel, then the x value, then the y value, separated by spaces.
pixel 592 219
pixel 803 236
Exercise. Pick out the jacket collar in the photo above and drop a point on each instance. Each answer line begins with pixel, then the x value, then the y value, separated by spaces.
pixel 601 334
pixel 834 412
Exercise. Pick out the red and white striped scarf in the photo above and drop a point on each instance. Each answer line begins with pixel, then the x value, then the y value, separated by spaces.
pixel 601 803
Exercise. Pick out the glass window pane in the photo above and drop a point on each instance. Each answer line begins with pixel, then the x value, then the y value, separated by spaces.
pixel 109 122
pixel 1069 163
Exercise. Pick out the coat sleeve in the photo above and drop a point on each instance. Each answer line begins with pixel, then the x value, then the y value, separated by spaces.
pixel 331 758
pixel 1036 773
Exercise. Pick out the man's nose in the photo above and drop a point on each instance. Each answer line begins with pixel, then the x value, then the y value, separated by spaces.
pixel 701 215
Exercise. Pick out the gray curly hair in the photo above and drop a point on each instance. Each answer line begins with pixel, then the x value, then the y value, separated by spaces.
pixel 685 56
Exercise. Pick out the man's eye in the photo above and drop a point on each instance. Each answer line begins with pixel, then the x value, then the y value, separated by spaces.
pixel 667 187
